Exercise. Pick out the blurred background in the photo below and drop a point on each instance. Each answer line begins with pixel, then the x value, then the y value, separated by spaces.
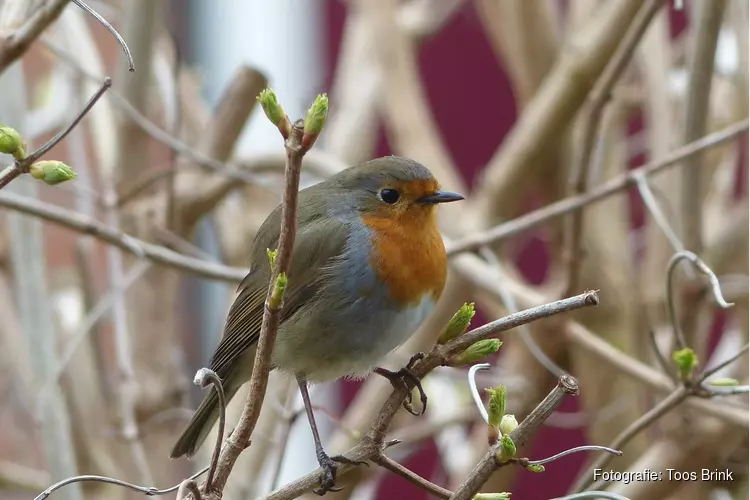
pixel 98 348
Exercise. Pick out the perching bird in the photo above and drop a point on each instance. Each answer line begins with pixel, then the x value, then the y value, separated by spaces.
pixel 367 268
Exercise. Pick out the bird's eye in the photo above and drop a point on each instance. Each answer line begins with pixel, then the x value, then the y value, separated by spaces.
pixel 389 196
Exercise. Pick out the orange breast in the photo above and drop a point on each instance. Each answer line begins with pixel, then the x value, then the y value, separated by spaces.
pixel 408 254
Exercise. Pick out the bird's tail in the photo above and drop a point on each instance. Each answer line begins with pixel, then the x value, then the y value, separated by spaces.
pixel 202 422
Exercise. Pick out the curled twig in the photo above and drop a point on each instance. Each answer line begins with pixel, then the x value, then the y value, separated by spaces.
pixel 111 29
pixel 713 280
pixel 475 392
pixel 203 378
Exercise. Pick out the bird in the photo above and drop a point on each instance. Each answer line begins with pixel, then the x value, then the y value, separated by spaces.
pixel 368 266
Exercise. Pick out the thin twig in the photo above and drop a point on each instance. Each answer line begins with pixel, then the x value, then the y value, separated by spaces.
pixel 577 449
pixel 271 315
pixel 665 366
pixel 146 490
pixel 23 165
pixel 592 113
pixel 111 29
pixel 532 219
pixel 414 478
pixel 18 42
pixel 674 399
pixel 203 378
pixel 715 288
pixel 729 391
pixel 723 364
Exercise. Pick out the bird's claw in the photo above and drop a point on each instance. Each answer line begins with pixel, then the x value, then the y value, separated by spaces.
pixel 328 477
pixel 398 380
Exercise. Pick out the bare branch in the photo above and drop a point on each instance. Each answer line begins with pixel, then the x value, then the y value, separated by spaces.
pixel 412 477
pixel 18 42
pixel 592 114
pixel 108 234
pixel 525 222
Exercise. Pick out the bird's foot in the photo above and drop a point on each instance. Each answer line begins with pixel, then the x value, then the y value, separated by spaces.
pixel 399 380
pixel 328 477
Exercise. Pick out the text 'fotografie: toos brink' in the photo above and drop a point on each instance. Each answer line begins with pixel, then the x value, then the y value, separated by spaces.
pixel 666 475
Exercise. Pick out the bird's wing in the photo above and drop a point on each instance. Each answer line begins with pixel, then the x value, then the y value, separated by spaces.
pixel 319 241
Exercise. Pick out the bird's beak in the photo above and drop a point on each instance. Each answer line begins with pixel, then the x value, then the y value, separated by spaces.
pixel 441 197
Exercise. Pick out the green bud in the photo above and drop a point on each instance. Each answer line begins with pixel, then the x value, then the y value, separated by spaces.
pixel 271 107
pixel 11 142
pixel 278 290
pixel 458 323
pixel 508 424
pixel 492 496
pixel 507 448
pixel 724 382
pixel 52 172
pixel 686 361
pixel 475 352
pixel 272 254
pixel 498 397
pixel 274 112
pixel 535 467
pixel 316 118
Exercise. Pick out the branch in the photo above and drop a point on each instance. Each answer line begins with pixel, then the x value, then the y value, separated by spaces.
pixel 412 477
pixel 18 42
pixel 297 144
pixel 592 113
pixel 23 165
pixel 573 203
pixel 371 446
pixel 113 236
pixel 566 385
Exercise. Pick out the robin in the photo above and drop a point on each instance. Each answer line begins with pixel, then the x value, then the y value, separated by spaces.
pixel 367 268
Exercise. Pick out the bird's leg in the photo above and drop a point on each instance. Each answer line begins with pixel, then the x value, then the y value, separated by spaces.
pixel 328 478
pixel 399 379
